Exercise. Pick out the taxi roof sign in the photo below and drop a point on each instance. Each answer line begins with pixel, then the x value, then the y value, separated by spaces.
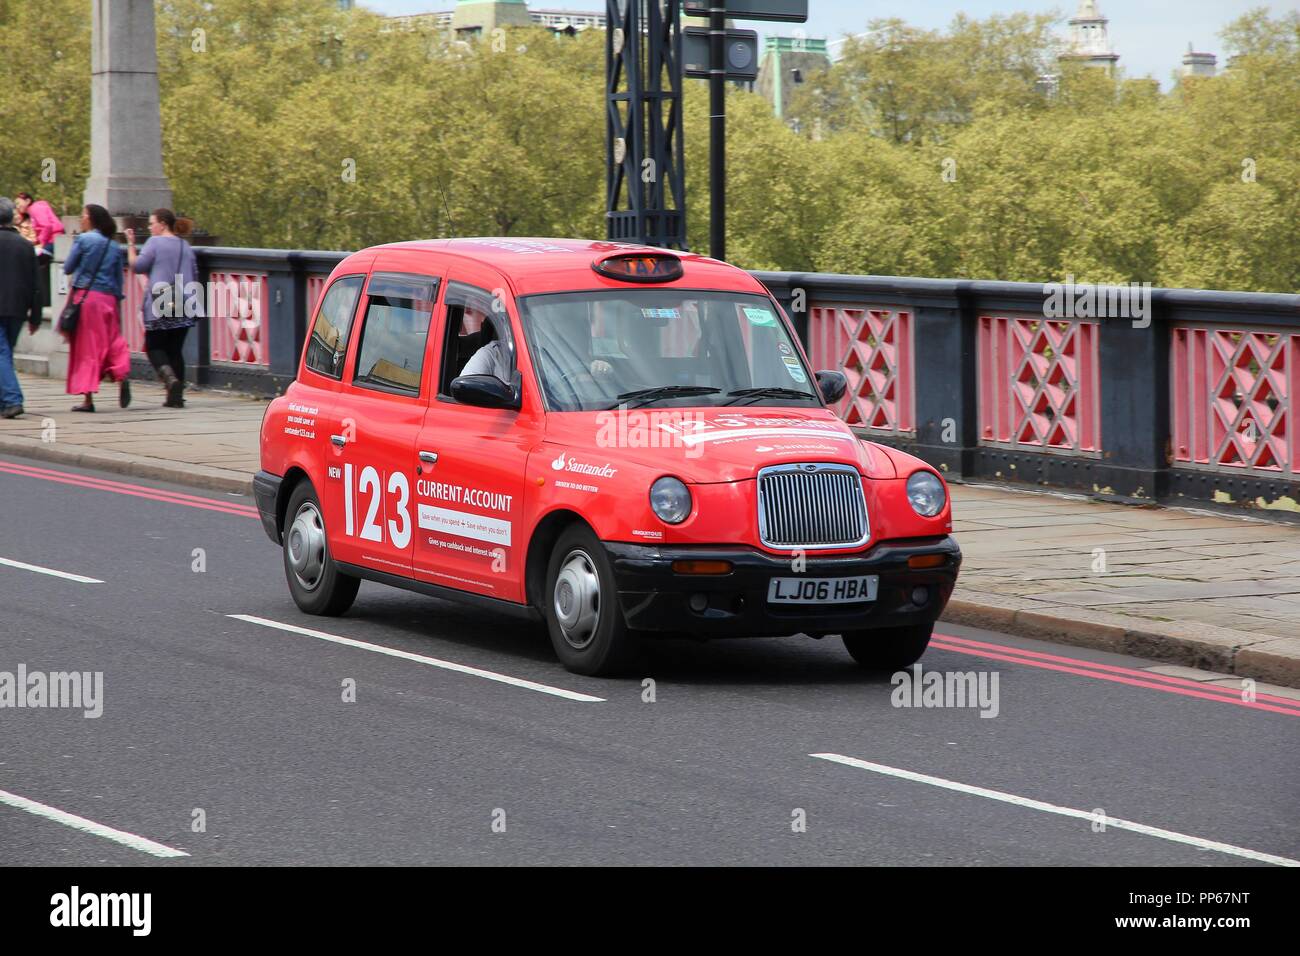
pixel 639 267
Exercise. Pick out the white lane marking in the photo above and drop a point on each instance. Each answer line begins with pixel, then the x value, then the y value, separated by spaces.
pixel 89 826
pixel 1118 824
pixel 421 659
pixel 80 579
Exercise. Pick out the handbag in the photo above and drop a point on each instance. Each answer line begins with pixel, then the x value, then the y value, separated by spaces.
pixel 70 317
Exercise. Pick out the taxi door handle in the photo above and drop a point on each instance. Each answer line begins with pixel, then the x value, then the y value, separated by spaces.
pixel 339 440
pixel 429 457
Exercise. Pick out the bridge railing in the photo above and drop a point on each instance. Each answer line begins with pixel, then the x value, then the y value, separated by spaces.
pixel 985 380
pixel 990 380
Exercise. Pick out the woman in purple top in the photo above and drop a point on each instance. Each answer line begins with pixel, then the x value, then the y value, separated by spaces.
pixel 174 300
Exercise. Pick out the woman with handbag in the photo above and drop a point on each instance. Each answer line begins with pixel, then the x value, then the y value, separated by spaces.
pixel 167 313
pixel 89 320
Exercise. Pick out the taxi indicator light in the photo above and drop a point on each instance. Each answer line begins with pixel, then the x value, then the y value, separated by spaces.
pixel 919 562
pixel 702 567
pixel 636 267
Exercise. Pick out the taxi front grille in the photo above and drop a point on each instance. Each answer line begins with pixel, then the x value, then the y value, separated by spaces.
pixel 811 506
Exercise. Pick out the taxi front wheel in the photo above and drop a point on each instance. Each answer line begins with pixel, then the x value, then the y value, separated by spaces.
pixel 581 607
pixel 315 581
pixel 888 649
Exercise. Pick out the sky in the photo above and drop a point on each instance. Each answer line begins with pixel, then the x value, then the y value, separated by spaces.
pixel 1150 36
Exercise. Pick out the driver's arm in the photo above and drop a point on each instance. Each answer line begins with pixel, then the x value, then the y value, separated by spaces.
pixel 482 362
pixel 488 360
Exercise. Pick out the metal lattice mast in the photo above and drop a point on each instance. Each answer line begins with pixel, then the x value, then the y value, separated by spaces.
pixel 645 162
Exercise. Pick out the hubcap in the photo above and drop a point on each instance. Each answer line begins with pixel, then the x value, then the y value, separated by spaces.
pixel 577 599
pixel 305 545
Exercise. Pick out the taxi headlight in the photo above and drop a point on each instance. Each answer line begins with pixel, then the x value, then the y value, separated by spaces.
pixel 925 492
pixel 670 499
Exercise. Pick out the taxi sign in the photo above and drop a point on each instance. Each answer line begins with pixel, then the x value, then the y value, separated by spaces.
pixel 636 267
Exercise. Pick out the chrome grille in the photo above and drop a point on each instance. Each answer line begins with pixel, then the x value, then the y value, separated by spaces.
pixel 811 506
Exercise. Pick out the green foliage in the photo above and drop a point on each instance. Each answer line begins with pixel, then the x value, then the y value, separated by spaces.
pixel 919 153
pixel 45 99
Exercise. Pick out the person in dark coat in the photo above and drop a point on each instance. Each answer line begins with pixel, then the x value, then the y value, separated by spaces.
pixel 20 301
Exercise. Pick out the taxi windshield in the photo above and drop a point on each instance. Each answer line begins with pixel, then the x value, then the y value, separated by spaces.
pixel 638 347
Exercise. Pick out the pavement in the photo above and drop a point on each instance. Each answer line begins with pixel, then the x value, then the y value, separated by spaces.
pixel 1215 595
pixel 235 730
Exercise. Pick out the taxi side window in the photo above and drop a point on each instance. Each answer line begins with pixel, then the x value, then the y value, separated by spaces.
pixel 478 336
pixel 329 335
pixel 395 332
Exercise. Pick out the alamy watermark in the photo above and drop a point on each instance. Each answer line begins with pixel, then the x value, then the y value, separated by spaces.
pixel 632 428
pixel 230 297
pixel 1084 300
pixel 946 689
pixel 78 690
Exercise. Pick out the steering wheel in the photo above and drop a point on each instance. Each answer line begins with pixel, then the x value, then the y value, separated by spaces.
pixel 554 381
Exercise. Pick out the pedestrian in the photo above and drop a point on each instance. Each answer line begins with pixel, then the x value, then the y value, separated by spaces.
pixel 20 301
pixel 167 313
pixel 47 227
pixel 26 228
pixel 96 346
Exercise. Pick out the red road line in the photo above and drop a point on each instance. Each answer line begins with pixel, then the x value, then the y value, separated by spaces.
pixel 14 466
pixel 1115 678
pixel 1111 668
pixel 137 491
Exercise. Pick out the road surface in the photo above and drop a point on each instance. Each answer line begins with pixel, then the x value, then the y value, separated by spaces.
pixel 467 743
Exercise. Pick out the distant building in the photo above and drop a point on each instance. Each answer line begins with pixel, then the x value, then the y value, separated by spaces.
pixel 1199 64
pixel 568 19
pixel 1089 38
pixel 475 17
pixel 786 62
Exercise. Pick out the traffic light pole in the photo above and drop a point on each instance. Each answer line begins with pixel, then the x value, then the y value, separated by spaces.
pixel 717 130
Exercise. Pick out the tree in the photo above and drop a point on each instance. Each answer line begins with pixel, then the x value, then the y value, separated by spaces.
pixel 45 100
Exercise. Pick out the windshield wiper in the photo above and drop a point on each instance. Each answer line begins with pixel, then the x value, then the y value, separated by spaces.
pixel 768 391
pixel 646 395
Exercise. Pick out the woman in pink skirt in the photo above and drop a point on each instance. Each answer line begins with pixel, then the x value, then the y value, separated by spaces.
pixel 97 349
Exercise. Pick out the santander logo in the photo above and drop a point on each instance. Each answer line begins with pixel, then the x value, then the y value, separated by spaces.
pixel 583 468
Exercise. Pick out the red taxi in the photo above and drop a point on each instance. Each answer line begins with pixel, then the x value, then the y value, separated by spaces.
pixel 617 440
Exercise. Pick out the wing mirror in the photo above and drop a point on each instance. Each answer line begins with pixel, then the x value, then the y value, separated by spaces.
pixel 485 391
pixel 833 385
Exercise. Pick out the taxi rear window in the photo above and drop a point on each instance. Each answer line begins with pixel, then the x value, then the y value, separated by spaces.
pixel 395 333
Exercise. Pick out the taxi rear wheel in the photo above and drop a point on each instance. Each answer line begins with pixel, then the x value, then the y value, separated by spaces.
pixel 315 581
pixel 889 649
pixel 581 607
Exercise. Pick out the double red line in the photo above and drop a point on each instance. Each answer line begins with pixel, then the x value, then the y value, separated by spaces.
pixel 136 491
pixel 1119 675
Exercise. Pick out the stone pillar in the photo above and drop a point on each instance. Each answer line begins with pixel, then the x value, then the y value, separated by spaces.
pixel 126 168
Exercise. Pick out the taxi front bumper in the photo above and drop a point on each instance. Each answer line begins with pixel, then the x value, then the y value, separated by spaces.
pixel 655 598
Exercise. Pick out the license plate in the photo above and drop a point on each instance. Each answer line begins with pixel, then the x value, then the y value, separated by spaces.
pixel 852 590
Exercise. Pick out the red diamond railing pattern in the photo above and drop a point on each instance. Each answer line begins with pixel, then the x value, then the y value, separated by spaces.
pixel 134 289
pixel 1231 398
pixel 873 348
pixel 1038 383
pixel 238 322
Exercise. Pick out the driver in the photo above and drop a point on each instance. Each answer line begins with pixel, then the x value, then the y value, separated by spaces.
pixel 492 358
